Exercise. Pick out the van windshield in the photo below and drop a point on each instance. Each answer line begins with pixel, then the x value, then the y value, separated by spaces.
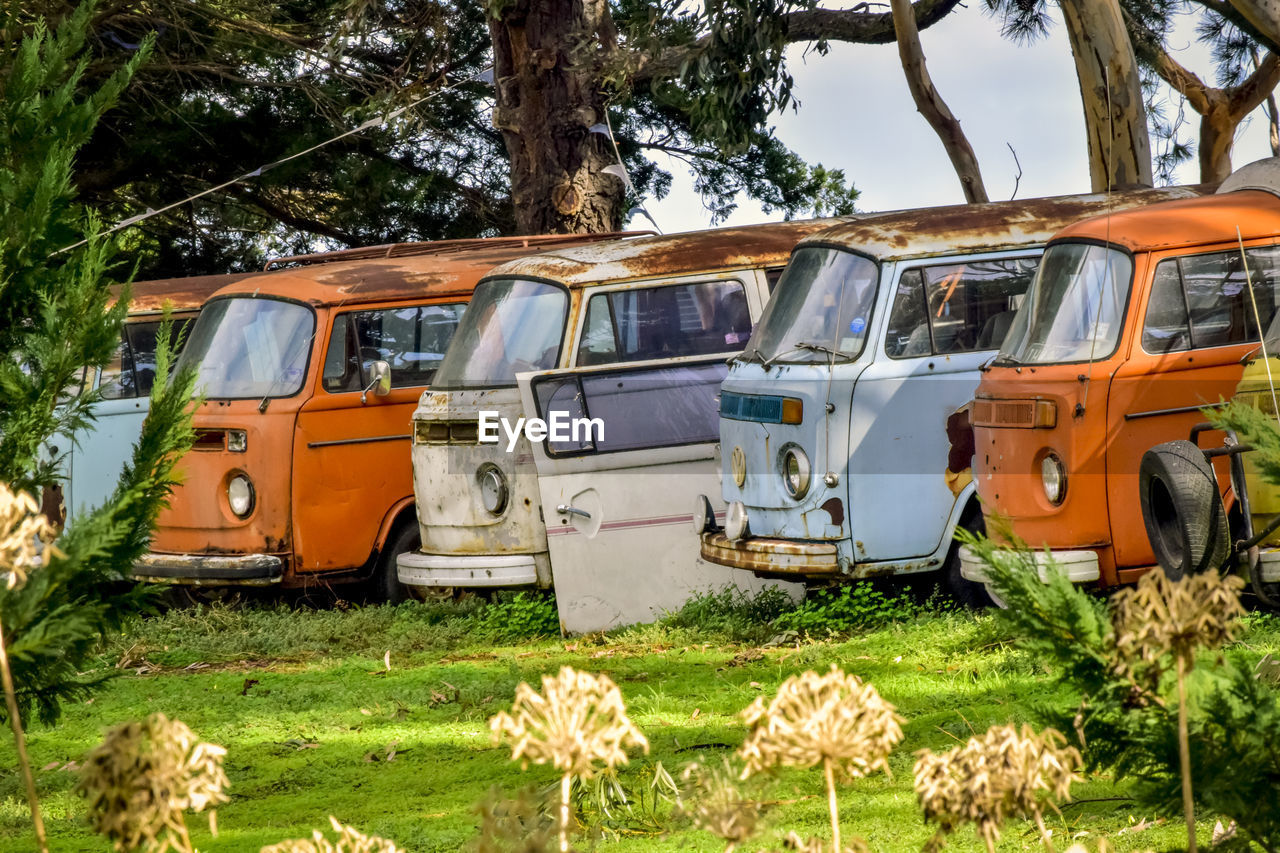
pixel 247 348
pixel 1075 308
pixel 511 326
pixel 820 309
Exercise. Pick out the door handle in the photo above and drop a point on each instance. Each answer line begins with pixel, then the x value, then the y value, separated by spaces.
pixel 565 509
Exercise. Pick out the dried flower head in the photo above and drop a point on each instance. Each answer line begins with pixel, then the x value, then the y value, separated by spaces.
pixel 1159 616
pixel 142 778
pixel 24 534
pixel 1004 773
pixel 350 840
pixel 813 719
pixel 577 720
pixel 717 803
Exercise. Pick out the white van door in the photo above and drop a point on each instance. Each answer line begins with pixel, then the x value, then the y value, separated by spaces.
pixel 617 498
pixel 946 318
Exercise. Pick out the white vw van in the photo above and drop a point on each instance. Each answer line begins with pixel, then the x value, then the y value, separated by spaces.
pixel 832 419
pixel 633 334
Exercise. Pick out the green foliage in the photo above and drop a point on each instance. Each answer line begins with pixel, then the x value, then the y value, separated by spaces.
pixel 1255 428
pixel 54 321
pixel 1128 725
pixel 846 608
pixel 511 618
pixel 732 614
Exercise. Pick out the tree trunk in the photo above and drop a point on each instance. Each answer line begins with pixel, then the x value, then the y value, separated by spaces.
pixel 1217 133
pixel 1263 14
pixel 548 96
pixel 930 104
pixel 1115 117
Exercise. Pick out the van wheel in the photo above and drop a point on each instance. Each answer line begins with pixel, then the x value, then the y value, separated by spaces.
pixel 387 586
pixel 967 593
pixel 1182 509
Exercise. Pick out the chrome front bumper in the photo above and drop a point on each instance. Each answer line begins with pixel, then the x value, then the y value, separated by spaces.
pixel 435 570
pixel 1079 566
pixel 210 569
pixel 771 556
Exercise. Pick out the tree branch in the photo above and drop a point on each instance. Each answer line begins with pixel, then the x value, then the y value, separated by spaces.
pixel 288 217
pixel 847 25
pixel 933 107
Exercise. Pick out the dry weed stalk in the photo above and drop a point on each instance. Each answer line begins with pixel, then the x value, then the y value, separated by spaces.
pixel 835 720
pixel 350 840
pixel 1004 773
pixel 577 720
pixel 24 534
pixel 1159 618
pixel 143 776
pixel 718 804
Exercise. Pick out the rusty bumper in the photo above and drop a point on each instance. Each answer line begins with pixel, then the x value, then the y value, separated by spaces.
pixel 772 556
pixel 210 569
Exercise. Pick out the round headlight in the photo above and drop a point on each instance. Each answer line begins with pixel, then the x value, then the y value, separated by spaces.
pixel 735 521
pixel 704 517
pixel 493 489
pixel 795 471
pixel 1054 478
pixel 240 495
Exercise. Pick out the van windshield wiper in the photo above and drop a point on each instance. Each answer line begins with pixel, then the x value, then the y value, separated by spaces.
pixel 822 348
pixel 750 355
pixel 803 345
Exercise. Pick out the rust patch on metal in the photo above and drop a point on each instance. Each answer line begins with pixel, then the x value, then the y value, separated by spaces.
pixel 835 509
pixel 930 231
pixel 719 249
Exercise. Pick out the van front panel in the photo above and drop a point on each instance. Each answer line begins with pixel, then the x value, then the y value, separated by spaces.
pixel 450 464
pixel 753 449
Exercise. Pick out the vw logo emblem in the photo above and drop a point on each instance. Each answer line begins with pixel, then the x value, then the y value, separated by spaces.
pixel 738 465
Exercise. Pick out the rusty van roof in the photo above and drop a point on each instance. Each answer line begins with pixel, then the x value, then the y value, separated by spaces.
pixel 668 254
pixel 184 294
pixel 438 269
pixel 1189 222
pixel 992 226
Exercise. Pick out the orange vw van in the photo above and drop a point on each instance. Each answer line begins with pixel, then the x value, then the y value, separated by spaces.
pixel 1135 322
pixel 300 473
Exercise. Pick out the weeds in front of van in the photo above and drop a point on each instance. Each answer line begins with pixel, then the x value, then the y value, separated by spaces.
pixel 733 614
pixel 843 609
pixel 1136 694
pixel 513 618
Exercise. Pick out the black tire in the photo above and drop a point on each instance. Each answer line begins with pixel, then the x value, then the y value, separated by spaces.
pixel 1182 509
pixel 965 592
pixel 386 582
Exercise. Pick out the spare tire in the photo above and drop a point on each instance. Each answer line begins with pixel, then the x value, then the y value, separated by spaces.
pixel 1182 510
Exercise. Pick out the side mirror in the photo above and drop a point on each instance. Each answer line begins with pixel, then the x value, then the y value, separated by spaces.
pixel 379 381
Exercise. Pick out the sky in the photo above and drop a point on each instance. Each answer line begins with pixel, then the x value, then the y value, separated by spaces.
pixel 856 114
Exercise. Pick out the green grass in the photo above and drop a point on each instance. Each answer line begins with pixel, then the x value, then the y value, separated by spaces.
pixel 307 710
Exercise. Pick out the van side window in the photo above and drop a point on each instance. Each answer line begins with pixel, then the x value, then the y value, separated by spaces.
pixel 964 307
pixel 665 322
pixel 641 408
pixel 115 382
pixel 908 326
pixel 132 370
pixel 1218 307
pixel 1166 328
pixel 412 340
